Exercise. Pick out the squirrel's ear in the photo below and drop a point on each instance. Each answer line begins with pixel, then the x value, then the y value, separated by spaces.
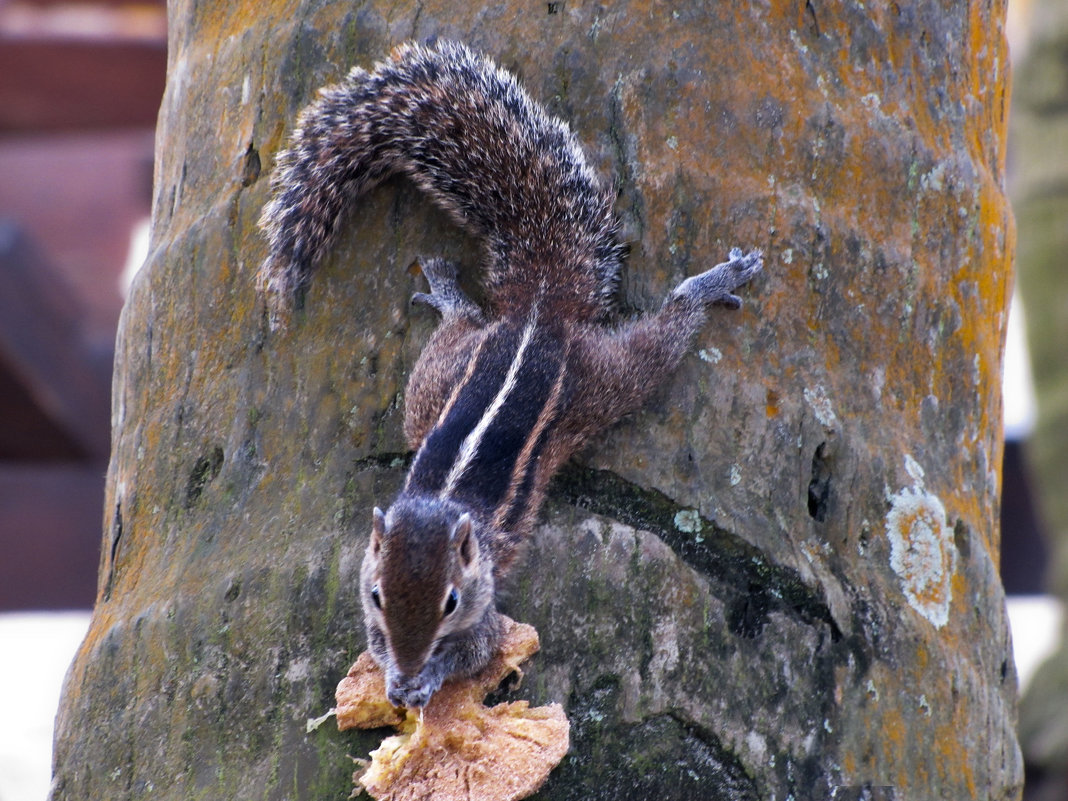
pixel 463 539
pixel 378 530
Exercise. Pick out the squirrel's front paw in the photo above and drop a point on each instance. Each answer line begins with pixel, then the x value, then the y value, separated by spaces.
pixel 717 285
pixel 411 691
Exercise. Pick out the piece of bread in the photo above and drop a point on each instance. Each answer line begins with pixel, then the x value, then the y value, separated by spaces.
pixel 457 749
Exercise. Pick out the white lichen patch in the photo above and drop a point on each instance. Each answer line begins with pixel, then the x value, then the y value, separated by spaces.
pixel 871 101
pixel 912 467
pixel 689 522
pixel 795 37
pixel 934 181
pixel 757 745
pixel 921 551
pixel 821 406
pixel 925 705
pixel 710 355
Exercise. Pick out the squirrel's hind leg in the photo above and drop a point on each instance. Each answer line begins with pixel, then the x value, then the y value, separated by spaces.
pixel 622 367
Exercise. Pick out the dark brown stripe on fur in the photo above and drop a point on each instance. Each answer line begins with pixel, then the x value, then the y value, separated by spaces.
pixel 504 448
pixel 515 503
pixel 469 402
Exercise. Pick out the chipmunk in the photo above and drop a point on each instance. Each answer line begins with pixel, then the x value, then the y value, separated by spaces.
pixel 501 397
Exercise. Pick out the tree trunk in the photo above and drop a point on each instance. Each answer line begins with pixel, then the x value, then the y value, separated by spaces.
pixel 779 580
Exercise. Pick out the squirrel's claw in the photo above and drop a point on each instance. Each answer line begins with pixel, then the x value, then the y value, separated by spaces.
pixel 426 299
pixel 732 302
pixel 412 692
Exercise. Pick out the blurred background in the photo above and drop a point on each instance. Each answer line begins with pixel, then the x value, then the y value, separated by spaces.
pixel 80 87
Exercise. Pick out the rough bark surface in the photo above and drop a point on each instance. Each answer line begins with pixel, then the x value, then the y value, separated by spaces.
pixel 778 580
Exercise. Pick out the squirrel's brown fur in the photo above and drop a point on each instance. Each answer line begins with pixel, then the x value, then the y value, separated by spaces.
pixel 498 400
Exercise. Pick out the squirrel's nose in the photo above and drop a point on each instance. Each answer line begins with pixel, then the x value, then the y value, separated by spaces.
pixel 410 656
pixel 409 668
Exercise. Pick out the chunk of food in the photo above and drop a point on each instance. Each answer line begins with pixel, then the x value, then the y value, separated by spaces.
pixel 361 698
pixel 458 749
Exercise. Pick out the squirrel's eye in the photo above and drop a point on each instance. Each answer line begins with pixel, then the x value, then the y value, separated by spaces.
pixel 376 596
pixel 451 601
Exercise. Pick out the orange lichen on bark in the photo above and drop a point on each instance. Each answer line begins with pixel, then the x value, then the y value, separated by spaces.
pixel 457 749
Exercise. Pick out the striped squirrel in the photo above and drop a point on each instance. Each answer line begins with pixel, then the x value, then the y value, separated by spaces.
pixel 500 397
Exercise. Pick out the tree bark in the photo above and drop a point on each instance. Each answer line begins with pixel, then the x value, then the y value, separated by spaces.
pixel 779 581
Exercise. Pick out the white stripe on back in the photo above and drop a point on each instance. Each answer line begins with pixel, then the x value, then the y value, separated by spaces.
pixel 471 365
pixel 474 438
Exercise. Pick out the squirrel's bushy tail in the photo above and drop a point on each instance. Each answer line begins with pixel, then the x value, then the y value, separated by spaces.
pixel 478 145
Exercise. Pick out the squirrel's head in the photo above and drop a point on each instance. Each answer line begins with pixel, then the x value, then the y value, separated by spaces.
pixel 423 577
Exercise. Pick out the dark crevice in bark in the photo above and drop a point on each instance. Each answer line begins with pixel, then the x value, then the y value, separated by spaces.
pixel 763 586
pixel 716 552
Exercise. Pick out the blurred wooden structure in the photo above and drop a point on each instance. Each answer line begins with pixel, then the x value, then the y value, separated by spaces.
pixel 80 86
